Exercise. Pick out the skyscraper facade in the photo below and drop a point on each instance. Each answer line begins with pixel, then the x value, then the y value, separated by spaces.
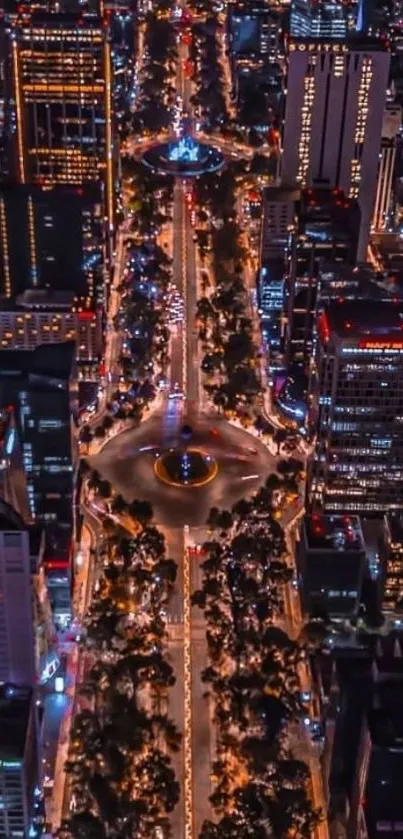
pixel 333 119
pixel 52 238
pixel 309 19
pixel 63 95
pixel 40 384
pixel 356 409
pixel 17 632
pixel 19 762
pixel 327 228
pixel 390 129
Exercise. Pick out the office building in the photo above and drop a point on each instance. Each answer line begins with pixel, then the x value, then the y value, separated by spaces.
pixel 278 220
pixel 356 409
pixel 52 238
pixel 391 551
pixel 333 119
pixel 32 608
pixel 19 763
pixel 38 317
pixel 253 30
pixel 255 37
pixel 270 295
pixel 123 40
pixel 304 229
pixel 63 94
pixel 13 486
pixel 85 7
pixel 330 20
pixel 392 119
pixel 377 804
pixel 17 630
pixel 6 164
pixel 328 228
pixel 331 562
pixel 58 570
pixel 41 386
pixel 360 689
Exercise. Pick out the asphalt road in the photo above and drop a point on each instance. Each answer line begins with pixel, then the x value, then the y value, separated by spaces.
pixel 178 333
pixel 128 463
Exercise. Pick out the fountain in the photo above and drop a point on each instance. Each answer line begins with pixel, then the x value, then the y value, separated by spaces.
pixel 184 156
pixel 185 468
pixel 185 150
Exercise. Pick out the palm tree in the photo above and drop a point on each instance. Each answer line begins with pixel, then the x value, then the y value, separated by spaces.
pixel 85 434
pixel 105 488
pixel 94 480
pixel 118 505
pixel 82 825
pixel 141 511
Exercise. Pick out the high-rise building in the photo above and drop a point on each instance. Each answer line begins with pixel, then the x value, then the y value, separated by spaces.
pixel 17 630
pixel 19 763
pixel 377 805
pixel 309 19
pixel 278 223
pixel 53 239
pixel 327 228
pixel 336 94
pixel 392 119
pixel 5 102
pixel 254 30
pixel 14 7
pixel 356 409
pixel 278 220
pixel 40 384
pixel 361 689
pixel 13 486
pixel 392 564
pixel 63 95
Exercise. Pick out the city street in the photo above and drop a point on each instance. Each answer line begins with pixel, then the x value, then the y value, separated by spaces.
pixel 127 460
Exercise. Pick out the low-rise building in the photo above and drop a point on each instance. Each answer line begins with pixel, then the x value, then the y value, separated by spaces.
pixel 43 317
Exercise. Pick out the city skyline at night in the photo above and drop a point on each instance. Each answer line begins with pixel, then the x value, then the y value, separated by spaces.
pixel 201 419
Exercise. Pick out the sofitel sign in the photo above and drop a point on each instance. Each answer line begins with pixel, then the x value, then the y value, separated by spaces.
pixel 317 47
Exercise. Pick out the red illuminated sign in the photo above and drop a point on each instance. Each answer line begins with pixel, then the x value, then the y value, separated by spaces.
pixel 56 564
pixel 381 345
pixel 323 328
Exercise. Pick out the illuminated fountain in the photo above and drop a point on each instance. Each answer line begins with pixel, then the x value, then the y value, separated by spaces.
pixel 185 157
pixel 185 150
pixel 185 468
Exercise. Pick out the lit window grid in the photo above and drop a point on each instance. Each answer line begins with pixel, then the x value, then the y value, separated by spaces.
pixel 306 124
pixel 363 100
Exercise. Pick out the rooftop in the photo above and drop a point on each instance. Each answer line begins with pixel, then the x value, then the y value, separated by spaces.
pixel 9 518
pixel 333 533
pixel 386 727
pixel 39 299
pixel 15 709
pixel 394 524
pixel 46 360
pixel 281 193
pixel 355 41
pixel 381 320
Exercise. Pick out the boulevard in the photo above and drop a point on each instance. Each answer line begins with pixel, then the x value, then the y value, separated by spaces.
pixel 127 462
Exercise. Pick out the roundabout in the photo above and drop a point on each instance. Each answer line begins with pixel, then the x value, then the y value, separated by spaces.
pixel 190 468
pixel 135 462
pixel 184 157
